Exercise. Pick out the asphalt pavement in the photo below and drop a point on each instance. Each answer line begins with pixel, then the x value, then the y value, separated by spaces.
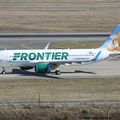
pixel 104 69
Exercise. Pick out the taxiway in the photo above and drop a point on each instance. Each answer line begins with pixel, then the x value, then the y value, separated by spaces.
pixel 104 69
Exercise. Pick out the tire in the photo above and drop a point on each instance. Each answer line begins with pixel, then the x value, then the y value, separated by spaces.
pixel 57 72
pixel 3 72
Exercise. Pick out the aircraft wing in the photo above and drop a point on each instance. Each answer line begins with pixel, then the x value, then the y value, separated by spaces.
pixel 47 46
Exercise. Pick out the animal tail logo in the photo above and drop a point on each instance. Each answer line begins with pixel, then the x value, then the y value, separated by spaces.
pixel 112 43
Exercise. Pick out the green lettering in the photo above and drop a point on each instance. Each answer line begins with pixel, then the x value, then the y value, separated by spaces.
pixel 48 55
pixel 32 56
pixel 53 56
pixel 16 55
pixel 57 55
pixel 64 56
pixel 24 56
pixel 40 56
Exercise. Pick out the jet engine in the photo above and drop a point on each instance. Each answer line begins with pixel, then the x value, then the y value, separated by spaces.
pixel 26 68
pixel 42 68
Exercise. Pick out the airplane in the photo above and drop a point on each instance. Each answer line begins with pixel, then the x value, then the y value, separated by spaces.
pixel 45 60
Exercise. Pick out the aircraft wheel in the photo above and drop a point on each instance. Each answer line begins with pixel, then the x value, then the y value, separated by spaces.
pixel 57 72
pixel 3 72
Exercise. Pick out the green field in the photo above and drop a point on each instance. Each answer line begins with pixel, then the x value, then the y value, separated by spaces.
pixel 59 15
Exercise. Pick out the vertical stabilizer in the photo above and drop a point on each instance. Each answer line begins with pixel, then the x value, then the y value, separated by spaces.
pixel 112 43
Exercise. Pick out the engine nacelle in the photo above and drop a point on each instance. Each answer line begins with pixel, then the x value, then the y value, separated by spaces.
pixel 26 68
pixel 42 68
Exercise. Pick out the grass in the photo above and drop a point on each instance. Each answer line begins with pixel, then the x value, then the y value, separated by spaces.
pixel 37 44
pixel 36 91
pixel 77 44
pixel 59 112
pixel 58 15
pixel 58 1
pixel 58 90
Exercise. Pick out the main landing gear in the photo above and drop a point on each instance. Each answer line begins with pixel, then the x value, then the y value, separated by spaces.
pixel 57 72
pixel 3 70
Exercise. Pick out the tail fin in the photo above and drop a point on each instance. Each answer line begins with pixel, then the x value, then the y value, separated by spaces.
pixel 112 43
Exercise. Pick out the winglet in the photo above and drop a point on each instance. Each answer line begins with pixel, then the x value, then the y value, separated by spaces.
pixel 47 46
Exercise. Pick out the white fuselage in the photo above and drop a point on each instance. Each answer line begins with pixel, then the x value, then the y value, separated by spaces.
pixel 31 57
